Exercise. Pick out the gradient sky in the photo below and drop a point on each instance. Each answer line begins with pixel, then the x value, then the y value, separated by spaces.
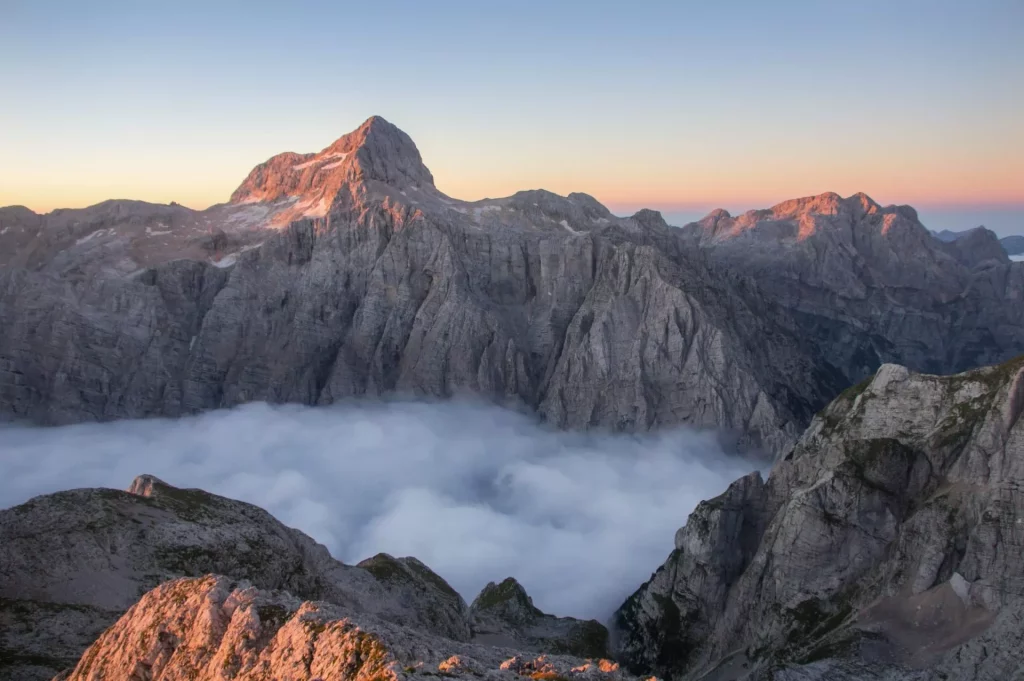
pixel 681 106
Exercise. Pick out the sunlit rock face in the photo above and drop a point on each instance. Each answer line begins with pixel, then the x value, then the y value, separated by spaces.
pixel 75 561
pixel 217 628
pixel 884 545
pixel 347 273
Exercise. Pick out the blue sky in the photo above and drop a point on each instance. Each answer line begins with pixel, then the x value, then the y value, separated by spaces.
pixel 675 105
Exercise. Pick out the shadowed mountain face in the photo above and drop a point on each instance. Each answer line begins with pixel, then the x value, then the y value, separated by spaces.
pixel 1013 245
pixel 346 273
pixel 885 545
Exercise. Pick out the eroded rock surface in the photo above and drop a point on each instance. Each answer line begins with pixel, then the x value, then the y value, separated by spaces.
pixel 348 273
pixel 72 562
pixel 885 545
pixel 216 628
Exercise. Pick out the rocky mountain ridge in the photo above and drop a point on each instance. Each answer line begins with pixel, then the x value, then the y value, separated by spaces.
pixel 884 545
pixel 347 273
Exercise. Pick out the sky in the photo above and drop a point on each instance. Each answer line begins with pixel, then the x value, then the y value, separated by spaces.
pixel 679 106
pixel 476 492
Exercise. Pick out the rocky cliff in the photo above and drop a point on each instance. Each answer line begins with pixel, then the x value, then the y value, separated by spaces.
pixel 348 273
pixel 71 563
pixel 885 544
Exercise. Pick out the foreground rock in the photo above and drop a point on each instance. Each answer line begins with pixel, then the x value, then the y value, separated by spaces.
pixel 348 273
pixel 71 563
pixel 216 628
pixel 885 545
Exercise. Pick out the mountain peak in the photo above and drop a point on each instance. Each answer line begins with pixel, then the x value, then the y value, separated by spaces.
pixel 376 151
pixel 384 153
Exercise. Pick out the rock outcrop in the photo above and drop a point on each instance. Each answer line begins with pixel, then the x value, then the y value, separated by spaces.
pixel 72 562
pixel 503 614
pixel 348 273
pixel 885 544
pixel 216 628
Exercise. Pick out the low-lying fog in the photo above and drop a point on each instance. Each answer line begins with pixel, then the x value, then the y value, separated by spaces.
pixel 476 492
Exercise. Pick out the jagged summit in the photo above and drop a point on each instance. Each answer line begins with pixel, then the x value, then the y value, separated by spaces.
pixel 801 218
pixel 386 153
pixel 376 151
pixel 829 203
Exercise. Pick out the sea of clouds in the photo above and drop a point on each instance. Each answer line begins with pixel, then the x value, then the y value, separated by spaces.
pixel 476 492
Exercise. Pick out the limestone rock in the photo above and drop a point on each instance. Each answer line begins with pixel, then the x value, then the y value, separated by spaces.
pixel 884 545
pixel 72 562
pixel 347 273
pixel 216 628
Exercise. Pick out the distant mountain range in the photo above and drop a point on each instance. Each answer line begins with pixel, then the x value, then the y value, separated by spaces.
pixel 1014 244
pixel 347 273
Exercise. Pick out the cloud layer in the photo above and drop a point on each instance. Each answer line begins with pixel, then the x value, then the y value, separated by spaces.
pixel 476 492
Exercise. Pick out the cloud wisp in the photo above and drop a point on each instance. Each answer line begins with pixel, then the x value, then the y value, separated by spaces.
pixel 476 492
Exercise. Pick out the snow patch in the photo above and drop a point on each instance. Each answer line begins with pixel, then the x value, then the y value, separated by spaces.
pixel 98 233
pixel 340 155
pixel 4 230
pixel 226 261
pixel 1017 258
pixel 565 223
pixel 315 210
